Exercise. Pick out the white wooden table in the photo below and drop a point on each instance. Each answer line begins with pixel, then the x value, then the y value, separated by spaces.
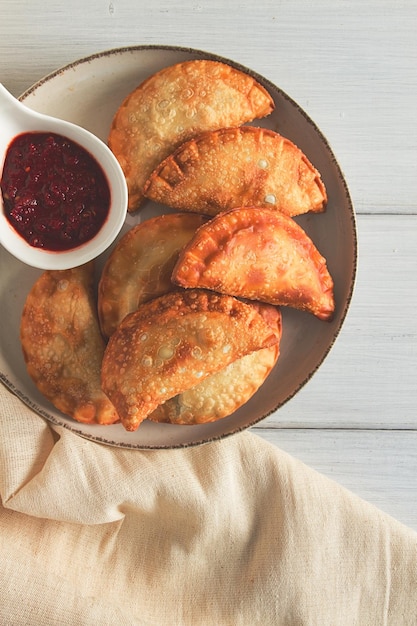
pixel 352 66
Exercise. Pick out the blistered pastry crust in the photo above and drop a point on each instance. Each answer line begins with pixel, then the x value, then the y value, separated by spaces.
pixel 259 254
pixel 172 343
pixel 175 104
pixel 236 167
pixel 62 344
pixel 140 266
pixel 222 393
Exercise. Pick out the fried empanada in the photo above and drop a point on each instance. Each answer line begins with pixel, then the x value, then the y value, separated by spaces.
pixel 62 344
pixel 222 393
pixel 236 167
pixel 258 254
pixel 175 104
pixel 172 343
pixel 140 266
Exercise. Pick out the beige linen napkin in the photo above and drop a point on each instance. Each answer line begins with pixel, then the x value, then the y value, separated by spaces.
pixel 234 532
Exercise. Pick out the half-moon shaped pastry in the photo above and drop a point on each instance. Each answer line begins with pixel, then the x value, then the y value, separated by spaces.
pixel 259 254
pixel 236 167
pixel 140 266
pixel 222 393
pixel 174 105
pixel 62 344
pixel 172 343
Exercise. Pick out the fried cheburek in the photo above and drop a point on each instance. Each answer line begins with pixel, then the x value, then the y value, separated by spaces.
pixel 175 104
pixel 62 344
pixel 258 254
pixel 140 266
pixel 222 393
pixel 237 167
pixel 172 343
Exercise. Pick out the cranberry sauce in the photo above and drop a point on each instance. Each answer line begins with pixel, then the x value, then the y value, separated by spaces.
pixel 55 194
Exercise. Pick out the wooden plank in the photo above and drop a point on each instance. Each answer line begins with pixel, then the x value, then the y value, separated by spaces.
pixel 350 65
pixel 378 466
pixel 368 379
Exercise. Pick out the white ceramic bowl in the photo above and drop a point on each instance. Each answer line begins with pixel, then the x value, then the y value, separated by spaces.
pixel 16 118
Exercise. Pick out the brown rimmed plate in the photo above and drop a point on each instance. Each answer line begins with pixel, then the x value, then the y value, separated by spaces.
pixel 88 92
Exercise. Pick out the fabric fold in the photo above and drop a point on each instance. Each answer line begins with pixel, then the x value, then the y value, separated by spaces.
pixel 235 532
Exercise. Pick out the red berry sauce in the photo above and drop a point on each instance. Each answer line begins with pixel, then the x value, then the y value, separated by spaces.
pixel 55 194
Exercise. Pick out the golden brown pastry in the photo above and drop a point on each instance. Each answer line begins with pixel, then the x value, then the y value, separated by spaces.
pixel 62 344
pixel 259 254
pixel 172 343
pixel 175 104
pixel 140 266
pixel 222 393
pixel 236 167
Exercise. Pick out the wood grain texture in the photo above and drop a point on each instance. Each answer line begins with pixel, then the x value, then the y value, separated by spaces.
pixel 368 380
pixel 378 466
pixel 352 66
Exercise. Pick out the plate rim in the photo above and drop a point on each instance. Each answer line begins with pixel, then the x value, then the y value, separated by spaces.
pixel 111 52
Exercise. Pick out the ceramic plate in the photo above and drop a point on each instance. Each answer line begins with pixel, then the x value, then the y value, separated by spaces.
pixel 88 92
